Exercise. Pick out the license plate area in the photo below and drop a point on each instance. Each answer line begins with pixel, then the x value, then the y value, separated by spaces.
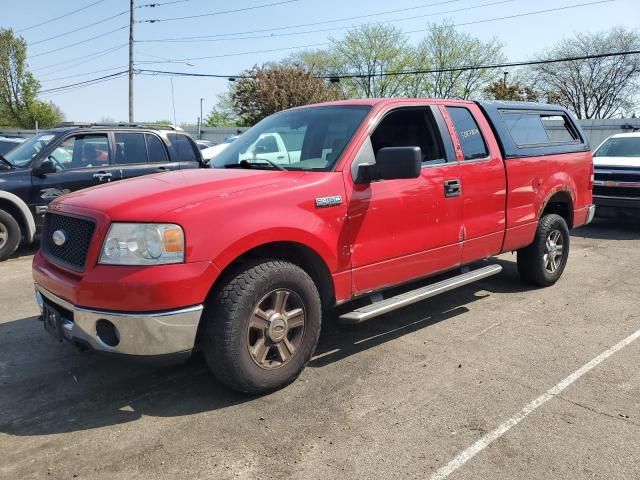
pixel 54 318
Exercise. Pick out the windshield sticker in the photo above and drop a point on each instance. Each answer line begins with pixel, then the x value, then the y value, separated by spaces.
pixel 46 138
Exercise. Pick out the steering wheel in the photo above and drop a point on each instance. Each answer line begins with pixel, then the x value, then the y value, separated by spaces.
pixel 56 162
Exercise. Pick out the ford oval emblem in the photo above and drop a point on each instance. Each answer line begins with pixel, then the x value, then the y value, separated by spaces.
pixel 59 237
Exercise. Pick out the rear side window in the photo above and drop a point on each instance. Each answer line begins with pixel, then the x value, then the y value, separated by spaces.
pixel 130 148
pixel 473 144
pixel 183 148
pixel 155 149
pixel 532 128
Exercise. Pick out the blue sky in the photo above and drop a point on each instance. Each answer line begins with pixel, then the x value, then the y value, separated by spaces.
pixel 523 37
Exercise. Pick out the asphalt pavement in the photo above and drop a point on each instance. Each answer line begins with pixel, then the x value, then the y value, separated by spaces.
pixel 423 392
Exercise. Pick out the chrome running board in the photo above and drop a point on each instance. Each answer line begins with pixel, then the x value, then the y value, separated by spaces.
pixel 399 301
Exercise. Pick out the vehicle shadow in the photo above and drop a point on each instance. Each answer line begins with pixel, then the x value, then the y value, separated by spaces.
pixel 49 388
pixel 26 250
pixel 609 229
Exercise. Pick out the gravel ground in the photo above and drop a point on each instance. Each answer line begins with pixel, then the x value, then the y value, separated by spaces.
pixel 396 397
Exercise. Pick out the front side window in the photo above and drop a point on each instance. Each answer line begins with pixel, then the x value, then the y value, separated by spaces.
pixel 471 140
pixel 619 147
pixel 81 151
pixel 310 139
pixel 130 148
pixel 409 127
pixel 22 155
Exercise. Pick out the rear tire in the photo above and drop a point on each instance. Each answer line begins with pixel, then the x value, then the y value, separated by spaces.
pixel 262 326
pixel 10 235
pixel 543 262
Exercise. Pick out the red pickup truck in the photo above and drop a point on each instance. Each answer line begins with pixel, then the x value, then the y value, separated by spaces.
pixel 242 260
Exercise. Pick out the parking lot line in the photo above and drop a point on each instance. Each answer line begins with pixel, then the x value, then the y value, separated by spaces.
pixel 470 452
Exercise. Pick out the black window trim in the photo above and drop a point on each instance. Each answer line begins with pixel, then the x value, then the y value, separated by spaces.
pixel 488 157
pixel 541 114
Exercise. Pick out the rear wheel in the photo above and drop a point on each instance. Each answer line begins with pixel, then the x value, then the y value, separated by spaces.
pixel 543 262
pixel 9 235
pixel 262 327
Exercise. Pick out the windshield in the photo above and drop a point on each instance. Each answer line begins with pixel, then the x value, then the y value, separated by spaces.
pixel 619 147
pixel 25 152
pixel 302 139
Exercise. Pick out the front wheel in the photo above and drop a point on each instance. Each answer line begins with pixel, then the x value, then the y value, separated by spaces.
pixel 262 326
pixel 543 262
pixel 9 235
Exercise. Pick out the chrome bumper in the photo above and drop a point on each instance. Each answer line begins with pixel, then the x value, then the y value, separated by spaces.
pixel 138 333
pixel 590 214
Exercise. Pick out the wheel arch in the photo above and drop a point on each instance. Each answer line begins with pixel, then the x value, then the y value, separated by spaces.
pixel 561 203
pixel 14 205
pixel 297 253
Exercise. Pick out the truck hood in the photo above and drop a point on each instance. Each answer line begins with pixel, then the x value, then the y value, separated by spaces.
pixel 616 162
pixel 146 198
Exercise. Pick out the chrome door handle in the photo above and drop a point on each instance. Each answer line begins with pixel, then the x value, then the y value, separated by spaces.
pixel 101 176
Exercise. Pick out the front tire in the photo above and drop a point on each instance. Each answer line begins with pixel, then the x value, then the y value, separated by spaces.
pixel 262 326
pixel 10 235
pixel 543 262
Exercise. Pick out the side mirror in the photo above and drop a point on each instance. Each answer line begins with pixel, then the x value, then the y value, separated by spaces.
pixel 392 163
pixel 46 167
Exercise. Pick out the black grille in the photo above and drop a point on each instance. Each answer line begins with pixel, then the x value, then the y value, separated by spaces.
pixel 616 191
pixel 77 232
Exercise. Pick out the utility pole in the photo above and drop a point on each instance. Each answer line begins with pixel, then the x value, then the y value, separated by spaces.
pixel 504 81
pixel 131 23
pixel 200 121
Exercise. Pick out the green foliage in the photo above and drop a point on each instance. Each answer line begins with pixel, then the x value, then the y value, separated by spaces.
pixel 269 89
pixel 19 106
pixel 222 115
pixel 501 90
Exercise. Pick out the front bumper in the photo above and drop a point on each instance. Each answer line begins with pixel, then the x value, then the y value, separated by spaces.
pixel 591 212
pixel 140 334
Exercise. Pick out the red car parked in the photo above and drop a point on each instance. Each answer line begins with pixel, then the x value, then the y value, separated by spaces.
pixel 243 260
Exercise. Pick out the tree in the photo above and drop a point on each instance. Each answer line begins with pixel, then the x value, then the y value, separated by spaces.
pixel 516 91
pixel 366 52
pixel 262 91
pixel 222 115
pixel 446 48
pixel 19 88
pixel 596 87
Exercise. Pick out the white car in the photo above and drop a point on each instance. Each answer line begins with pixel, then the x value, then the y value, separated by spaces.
pixel 210 153
pixel 616 186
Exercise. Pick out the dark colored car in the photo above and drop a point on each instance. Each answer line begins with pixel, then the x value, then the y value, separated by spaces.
pixel 9 143
pixel 62 160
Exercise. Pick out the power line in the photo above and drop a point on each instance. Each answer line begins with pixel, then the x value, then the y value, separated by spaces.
pixel 273 35
pixel 79 29
pixel 79 42
pixel 415 72
pixel 119 67
pixel 224 12
pixel 287 27
pixel 579 5
pixel 89 58
pixel 85 82
pixel 73 89
pixel 58 18
pixel 237 54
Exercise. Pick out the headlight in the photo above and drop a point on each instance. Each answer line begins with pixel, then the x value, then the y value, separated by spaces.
pixel 143 244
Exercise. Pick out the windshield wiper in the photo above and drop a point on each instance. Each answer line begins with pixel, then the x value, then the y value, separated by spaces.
pixel 247 164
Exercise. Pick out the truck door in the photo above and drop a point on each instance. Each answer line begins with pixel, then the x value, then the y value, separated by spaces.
pixel 483 181
pixel 407 228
